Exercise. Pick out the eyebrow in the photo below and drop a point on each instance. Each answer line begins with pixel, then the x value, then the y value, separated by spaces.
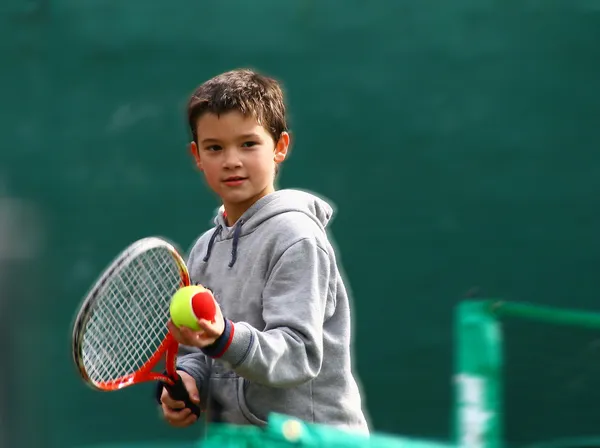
pixel 240 137
pixel 249 136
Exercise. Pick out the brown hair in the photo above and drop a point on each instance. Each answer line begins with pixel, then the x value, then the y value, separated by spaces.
pixel 241 90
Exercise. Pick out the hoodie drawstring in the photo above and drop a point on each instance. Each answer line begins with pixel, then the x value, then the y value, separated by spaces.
pixel 234 245
pixel 236 237
pixel 211 242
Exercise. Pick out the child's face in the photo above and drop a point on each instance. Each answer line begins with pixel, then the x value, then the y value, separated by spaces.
pixel 238 157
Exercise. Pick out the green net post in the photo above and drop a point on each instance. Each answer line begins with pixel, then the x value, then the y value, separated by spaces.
pixel 478 377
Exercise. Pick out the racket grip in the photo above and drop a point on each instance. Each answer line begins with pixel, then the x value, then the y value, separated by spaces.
pixel 178 392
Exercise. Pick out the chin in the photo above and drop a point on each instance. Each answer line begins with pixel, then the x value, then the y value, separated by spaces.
pixel 242 196
pixel 238 198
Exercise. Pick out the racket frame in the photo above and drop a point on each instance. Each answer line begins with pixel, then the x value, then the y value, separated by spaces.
pixel 168 347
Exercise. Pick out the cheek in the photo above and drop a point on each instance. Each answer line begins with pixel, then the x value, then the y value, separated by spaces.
pixel 210 173
pixel 263 165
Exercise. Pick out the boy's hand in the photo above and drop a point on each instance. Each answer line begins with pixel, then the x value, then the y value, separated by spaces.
pixel 174 411
pixel 208 334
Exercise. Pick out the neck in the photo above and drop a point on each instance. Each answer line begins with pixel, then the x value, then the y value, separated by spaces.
pixel 234 211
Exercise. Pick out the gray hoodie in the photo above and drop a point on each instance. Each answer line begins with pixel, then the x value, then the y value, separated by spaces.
pixel 287 342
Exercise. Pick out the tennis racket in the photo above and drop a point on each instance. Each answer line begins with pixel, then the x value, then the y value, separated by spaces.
pixel 120 334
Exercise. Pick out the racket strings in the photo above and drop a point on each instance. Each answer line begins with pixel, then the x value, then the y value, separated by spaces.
pixel 128 321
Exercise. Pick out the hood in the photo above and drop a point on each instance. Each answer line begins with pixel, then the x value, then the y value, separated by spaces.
pixel 276 203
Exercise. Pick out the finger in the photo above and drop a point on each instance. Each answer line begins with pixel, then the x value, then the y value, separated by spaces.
pixel 195 338
pixel 183 423
pixel 166 399
pixel 183 335
pixel 209 328
pixel 175 415
pixel 178 423
pixel 192 392
pixel 190 419
pixel 186 336
pixel 188 333
pixel 173 421
pixel 175 331
pixel 172 327
pixel 190 386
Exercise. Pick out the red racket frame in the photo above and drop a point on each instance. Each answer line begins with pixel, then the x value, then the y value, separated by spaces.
pixel 169 346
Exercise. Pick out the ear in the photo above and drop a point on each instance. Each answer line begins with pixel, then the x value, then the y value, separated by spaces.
pixel 281 148
pixel 195 152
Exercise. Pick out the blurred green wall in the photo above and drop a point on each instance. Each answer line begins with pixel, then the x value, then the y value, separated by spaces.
pixel 459 141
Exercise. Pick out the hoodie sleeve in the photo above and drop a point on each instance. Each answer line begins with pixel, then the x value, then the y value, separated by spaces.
pixel 290 349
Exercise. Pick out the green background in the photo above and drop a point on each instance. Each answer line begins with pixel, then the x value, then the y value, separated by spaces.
pixel 458 140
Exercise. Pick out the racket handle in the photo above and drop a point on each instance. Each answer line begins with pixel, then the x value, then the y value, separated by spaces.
pixel 178 392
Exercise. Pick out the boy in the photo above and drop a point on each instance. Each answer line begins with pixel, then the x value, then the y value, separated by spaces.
pixel 281 338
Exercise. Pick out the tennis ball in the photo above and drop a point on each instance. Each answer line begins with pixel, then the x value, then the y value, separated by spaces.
pixel 191 303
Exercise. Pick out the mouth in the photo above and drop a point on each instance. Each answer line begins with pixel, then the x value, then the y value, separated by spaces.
pixel 234 181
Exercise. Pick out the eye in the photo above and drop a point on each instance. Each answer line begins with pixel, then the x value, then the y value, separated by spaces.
pixel 249 144
pixel 213 148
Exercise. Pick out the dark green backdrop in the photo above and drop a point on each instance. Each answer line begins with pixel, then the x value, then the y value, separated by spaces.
pixel 459 141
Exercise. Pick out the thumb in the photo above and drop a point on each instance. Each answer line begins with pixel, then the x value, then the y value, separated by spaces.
pixel 190 384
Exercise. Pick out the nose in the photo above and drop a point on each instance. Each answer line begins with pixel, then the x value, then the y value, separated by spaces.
pixel 231 159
